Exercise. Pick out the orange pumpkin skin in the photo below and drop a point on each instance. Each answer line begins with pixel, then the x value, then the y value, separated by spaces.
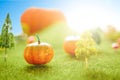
pixel 70 44
pixel 36 19
pixel 118 41
pixel 37 54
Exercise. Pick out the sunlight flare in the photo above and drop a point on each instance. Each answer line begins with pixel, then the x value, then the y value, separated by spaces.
pixel 86 18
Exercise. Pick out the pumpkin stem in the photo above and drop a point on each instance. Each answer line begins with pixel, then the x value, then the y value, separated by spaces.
pixel 38 39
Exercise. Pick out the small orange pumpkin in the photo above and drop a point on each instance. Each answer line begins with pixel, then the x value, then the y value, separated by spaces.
pixel 38 53
pixel 31 39
pixel 70 44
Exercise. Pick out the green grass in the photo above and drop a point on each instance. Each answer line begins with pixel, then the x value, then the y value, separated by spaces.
pixel 104 66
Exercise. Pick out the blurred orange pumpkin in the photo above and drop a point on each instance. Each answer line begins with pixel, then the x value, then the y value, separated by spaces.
pixel 118 41
pixel 31 39
pixel 35 19
pixel 70 44
pixel 38 53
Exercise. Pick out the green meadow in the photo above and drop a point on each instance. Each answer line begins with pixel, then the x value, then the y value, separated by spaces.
pixel 104 66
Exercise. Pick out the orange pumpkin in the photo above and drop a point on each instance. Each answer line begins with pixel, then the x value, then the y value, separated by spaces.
pixel 115 45
pixel 38 53
pixel 70 44
pixel 35 19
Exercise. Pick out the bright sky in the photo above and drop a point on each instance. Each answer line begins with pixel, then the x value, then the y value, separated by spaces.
pixel 80 14
pixel 99 13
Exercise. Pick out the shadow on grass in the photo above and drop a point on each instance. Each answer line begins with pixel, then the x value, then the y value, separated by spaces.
pixel 70 57
pixel 37 69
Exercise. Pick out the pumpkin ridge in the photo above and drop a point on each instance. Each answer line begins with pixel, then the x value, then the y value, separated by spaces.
pixel 32 53
pixel 27 56
pixel 38 53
